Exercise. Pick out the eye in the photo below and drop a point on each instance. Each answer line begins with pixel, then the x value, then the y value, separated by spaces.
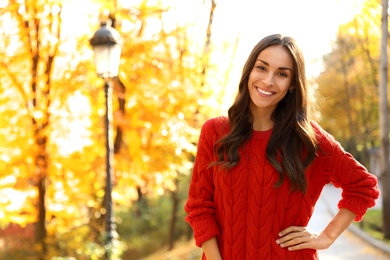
pixel 261 67
pixel 283 74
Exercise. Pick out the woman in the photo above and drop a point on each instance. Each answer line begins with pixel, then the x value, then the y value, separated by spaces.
pixel 259 172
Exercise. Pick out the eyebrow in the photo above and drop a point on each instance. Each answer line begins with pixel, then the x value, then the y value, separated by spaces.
pixel 280 68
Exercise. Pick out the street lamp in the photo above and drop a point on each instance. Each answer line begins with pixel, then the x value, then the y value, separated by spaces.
pixel 106 45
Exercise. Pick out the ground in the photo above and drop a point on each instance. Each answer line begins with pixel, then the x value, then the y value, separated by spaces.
pixel 182 251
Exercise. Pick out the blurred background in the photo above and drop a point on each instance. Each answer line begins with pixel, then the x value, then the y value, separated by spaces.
pixel 97 166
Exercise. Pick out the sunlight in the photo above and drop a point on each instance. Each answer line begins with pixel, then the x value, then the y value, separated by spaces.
pixel 77 119
pixel 307 21
pixel 14 199
pixel 60 199
pixel 3 3
pixel 79 13
pixel 8 180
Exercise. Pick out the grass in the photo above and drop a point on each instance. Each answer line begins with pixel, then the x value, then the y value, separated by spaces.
pixel 372 224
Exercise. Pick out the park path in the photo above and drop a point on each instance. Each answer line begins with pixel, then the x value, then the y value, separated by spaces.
pixel 349 245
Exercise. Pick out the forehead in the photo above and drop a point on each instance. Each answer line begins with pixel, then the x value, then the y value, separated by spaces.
pixel 276 56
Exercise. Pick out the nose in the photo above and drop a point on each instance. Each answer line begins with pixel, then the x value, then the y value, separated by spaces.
pixel 268 81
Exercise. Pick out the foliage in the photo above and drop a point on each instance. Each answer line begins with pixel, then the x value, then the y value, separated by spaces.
pixel 146 231
pixel 52 108
pixel 373 224
pixel 348 85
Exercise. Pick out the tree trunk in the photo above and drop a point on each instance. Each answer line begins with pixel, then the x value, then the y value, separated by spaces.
pixel 172 226
pixel 384 122
pixel 207 46
pixel 41 231
pixel 41 101
pixel 120 89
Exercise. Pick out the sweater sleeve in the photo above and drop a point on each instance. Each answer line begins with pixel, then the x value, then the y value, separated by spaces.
pixel 359 187
pixel 200 206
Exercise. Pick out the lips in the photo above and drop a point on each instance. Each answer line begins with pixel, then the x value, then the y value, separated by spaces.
pixel 265 93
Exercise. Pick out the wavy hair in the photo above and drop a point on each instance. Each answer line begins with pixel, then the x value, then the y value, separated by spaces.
pixel 292 145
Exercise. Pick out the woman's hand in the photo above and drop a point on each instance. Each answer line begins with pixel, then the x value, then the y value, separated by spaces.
pixel 297 238
pixel 211 250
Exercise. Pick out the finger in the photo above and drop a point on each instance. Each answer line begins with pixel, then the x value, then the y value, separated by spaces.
pixel 287 238
pixel 302 240
pixel 297 237
pixel 290 229
pixel 294 233
pixel 292 241
pixel 298 247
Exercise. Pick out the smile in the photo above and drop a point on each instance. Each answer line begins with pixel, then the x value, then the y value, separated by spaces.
pixel 266 93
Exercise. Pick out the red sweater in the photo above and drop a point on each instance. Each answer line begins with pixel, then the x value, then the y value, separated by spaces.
pixel 244 210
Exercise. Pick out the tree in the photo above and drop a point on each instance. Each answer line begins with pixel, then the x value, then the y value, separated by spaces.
pixel 54 148
pixel 353 90
pixel 161 69
pixel 35 65
pixel 161 73
pixel 384 121
pixel 35 23
pixel 348 85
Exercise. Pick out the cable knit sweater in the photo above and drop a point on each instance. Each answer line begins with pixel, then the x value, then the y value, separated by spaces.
pixel 244 210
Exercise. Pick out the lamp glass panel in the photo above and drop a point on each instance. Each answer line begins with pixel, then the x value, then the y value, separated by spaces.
pixel 107 59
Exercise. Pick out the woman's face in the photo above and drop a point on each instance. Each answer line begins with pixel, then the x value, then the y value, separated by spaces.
pixel 270 78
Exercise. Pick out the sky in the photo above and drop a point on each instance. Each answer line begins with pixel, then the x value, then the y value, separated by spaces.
pixel 313 23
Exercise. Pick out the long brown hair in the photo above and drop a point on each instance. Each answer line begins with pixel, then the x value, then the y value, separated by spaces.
pixel 292 145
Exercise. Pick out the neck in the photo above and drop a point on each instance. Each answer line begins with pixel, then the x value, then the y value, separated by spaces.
pixel 262 120
pixel 262 126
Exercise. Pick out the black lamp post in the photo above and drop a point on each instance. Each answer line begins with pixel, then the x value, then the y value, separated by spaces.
pixel 106 45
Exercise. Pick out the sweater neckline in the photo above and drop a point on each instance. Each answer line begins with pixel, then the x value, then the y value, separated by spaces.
pixel 262 134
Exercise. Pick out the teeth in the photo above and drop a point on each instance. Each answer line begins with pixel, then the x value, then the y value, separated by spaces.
pixel 264 92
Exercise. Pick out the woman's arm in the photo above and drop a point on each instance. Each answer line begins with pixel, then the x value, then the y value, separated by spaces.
pixel 359 187
pixel 211 250
pixel 359 192
pixel 200 205
pixel 296 238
